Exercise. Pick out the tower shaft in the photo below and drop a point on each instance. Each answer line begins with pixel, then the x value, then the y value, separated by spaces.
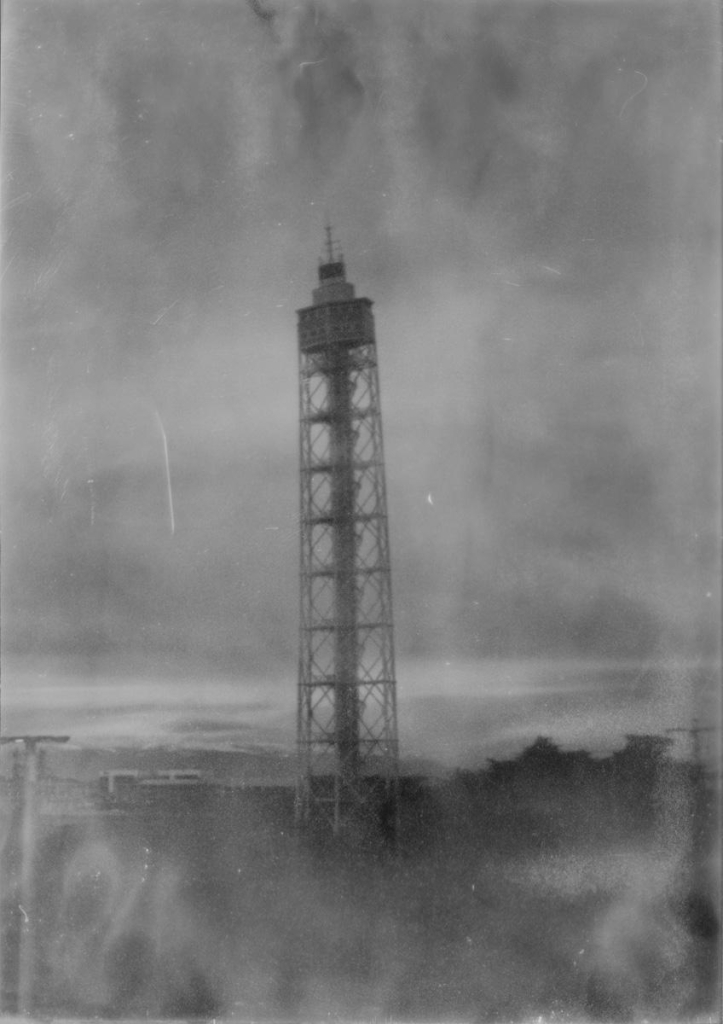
pixel 347 727
pixel 341 438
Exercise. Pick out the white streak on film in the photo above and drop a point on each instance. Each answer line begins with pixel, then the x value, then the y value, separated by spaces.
pixel 168 471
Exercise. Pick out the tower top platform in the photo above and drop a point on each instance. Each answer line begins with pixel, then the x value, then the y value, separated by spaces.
pixel 333 285
pixel 336 318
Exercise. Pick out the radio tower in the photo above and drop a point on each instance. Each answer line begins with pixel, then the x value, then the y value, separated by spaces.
pixel 347 716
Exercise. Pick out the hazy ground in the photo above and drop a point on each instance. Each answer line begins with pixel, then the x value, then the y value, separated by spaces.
pixel 504 911
pixel 185 912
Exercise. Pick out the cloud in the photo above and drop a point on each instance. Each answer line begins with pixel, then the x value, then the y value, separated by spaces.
pixel 536 229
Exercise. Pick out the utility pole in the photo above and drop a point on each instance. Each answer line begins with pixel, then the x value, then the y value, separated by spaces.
pixel 347 714
pixel 28 841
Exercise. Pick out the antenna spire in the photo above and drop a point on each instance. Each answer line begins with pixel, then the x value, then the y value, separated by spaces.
pixel 329 244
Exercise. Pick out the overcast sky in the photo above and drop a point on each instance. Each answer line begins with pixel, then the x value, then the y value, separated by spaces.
pixel 529 193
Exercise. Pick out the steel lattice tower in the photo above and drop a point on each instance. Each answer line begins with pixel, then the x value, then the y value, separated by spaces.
pixel 347 719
